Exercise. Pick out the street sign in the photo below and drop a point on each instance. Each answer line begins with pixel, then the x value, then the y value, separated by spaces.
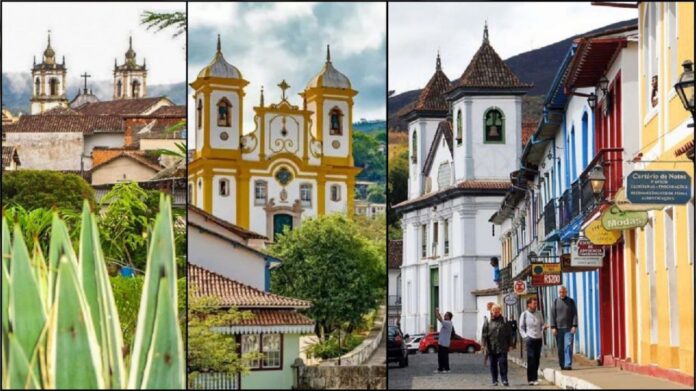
pixel 615 219
pixel 598 235
pixel 624 204
pixel 520 287
pixel 510 299
pixel 546 274
pixel 586 254
pixel 658 187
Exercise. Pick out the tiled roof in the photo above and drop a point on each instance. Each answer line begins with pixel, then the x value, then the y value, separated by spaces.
pixel 528 128
pixel 86 175
pixel 230 293
pixel 484 185
pixel 275 318
pixel 396 248
pixel 59 110
pixel 688 146
pixel 469 185
pixel 9 153
pixel 235 229
pixel 488 70
pixel 444 129
pixel 138 156
pixel 432 97
pixel 170 111
pixel 120 107
pixel 86 124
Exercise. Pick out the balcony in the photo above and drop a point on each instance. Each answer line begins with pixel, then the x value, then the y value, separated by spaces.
pixel 394 304
pixel 550 217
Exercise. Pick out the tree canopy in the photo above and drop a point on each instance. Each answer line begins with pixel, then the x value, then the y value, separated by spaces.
pixel 34 189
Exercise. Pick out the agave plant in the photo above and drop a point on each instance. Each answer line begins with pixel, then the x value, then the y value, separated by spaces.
pixel 60 327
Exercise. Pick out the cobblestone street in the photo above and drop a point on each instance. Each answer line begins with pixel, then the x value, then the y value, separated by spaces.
pixel 467 372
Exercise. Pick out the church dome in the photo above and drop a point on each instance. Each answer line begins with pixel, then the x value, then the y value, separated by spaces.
pixel 49 54
pixel 329 77
pixel 219 67
pixel 130 53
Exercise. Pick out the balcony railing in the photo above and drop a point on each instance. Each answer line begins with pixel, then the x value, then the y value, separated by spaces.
pixel 550 217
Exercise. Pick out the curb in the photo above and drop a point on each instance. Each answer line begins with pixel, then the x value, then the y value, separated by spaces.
pixel 558 378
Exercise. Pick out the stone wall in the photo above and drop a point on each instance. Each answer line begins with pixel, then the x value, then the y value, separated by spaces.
pixel 372 377
pixel 48 151
pixel 363 351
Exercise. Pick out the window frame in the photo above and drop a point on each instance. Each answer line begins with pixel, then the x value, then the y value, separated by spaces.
pixel 306 186
pixel 226 182
pixel 260 201
pixel 485 126
pixel 414 146
pixel 228 105
pixel 335 195
pixel 259 346
pixel 133 90
pixel 336 131
pixel 199 113
pixel 460 132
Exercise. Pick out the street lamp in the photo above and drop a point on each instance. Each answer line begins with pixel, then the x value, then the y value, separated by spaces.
pixel 685 86
pixel 592 100
pixel 604 84
pixel 532 256
pixel 596 178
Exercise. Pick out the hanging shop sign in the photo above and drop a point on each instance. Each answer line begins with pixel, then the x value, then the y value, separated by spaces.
pixel 598 235
pixel 615 219
pixel 624 204
pixel 568 268
pixel 546 274
pixel 586 254
pixel 519 287
pixel 505 277
pixel 658 187
pixel 510 299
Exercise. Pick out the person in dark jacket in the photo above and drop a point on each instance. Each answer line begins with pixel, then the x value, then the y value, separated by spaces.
pixel 497 336
pixel 564 322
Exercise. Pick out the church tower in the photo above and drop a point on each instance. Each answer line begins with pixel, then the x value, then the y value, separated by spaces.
pixel 48 80
pixel 130 79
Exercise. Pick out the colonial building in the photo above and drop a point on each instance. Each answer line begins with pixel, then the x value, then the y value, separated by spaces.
pixel 465 139
pixel 395 257
pixel 130 78
pixel 48 82
pixel 297 163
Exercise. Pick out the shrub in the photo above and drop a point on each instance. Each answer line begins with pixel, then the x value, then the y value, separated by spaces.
pixel 33 189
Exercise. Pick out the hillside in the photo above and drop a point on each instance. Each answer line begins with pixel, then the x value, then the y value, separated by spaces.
pixel 537 66
pixel 16 91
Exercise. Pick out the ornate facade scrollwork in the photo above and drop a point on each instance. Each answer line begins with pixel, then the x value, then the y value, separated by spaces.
pixel 315 146
pixel 249 142
pixel 288 138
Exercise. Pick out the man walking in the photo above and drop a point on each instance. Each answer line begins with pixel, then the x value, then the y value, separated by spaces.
pixel 564 321
pixel 531 328
pixel 443 341
pixel 498 338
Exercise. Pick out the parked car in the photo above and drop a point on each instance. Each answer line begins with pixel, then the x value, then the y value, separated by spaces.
pixel 396 346
pixel 413 343
pixel 457 345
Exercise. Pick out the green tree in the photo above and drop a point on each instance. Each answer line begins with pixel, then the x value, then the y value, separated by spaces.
pixel 367 154
pixel 375 193
pixel 159 21
pixel 210 351
pixel 34 189
pixel 329 262
pixel 397 186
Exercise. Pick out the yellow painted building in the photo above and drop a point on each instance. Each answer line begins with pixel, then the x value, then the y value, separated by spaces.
pixel 296 163
pixel 659 268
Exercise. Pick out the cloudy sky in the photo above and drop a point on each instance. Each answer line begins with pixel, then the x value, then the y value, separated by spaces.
pixel 418 30
pixel 269 42
pixel 90 35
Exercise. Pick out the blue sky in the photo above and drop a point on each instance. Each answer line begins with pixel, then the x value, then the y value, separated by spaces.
pixel 269 42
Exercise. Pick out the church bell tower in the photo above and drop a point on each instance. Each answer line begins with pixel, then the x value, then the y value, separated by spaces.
pixel 130 78
pixel 48 82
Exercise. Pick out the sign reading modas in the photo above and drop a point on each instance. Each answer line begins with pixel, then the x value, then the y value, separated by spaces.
pixel 598 235
pixel 615 219
pixel 546 274
pixel 658 187
pixel 586 254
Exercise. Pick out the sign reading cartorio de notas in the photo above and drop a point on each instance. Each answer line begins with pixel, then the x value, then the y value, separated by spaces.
pixel 658 187
pixel 546 274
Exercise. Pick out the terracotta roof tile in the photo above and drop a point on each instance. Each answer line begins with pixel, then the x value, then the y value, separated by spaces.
pixel 235 229
pixel 138 156
pixel 61 111
pixel 120 107
pixel 470 185
pixel 528 128
pixel 396 248
pixel 275 318
pixel 86 124
pixel 432 97
pixel 488 70
pixel 231 293
pixel 688 146
pixel 170 111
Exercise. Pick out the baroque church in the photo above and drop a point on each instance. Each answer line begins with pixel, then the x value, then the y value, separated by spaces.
pixel 104 141
pixel 296 163
pixel 464 139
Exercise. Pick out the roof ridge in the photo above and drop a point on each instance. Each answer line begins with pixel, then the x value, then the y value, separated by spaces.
pixel 487 70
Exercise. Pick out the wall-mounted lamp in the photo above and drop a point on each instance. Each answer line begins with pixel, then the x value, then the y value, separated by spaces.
pixel 597 179
pixel 685 86
pixel 604 84
pixel 592 100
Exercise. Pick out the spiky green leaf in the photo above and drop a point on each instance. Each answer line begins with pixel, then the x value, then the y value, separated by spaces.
pixel 60 246
pixel 5 321
pixel 19 374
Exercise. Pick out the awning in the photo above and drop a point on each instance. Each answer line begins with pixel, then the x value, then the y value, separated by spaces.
pixel 570 231
pixel 592 60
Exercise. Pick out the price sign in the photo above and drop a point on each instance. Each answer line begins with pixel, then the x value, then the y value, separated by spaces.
pixel 546 274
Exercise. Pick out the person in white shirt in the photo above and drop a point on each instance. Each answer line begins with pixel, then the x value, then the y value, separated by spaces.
pixel 531 329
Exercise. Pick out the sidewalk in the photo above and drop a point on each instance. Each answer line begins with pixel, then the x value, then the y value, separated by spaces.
pixel 586 377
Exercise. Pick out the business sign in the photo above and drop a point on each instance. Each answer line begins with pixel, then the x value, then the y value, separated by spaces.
pixel 520 287
pixel 546 274
pixel 625 205
pixel 510 299
pixel 505 277
pixel 567 268
pixel 586 254
pixel 658 187
pixel 598 235
pixel 616 219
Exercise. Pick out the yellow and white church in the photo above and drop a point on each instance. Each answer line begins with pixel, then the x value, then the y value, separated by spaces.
pixel 296 163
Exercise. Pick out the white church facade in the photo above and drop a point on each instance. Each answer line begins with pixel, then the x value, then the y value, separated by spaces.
pixel 464 140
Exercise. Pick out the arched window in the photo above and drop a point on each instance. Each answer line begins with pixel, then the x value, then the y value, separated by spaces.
pixel 53 85
pixel 199 113
pixel 459 127
pixel 223 109
pixel 414 146
pixel 336 118
pixel 135 92
pixel 494 126
pixel 37 86
pixel 586 151
pixel 119 88
pixel 224 187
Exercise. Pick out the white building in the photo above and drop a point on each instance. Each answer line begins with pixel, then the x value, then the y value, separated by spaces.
pixel 465 139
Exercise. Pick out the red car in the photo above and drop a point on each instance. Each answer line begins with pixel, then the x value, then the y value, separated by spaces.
pixel 457 344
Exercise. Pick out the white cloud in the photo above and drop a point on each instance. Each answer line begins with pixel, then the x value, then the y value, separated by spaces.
pixel 263 19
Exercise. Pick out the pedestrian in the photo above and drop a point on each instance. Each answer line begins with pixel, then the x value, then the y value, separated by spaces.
pixel 489 305
pixel 531 329
pixel 513 329
pixel 564 322
pixel 443 341
pixel 498 337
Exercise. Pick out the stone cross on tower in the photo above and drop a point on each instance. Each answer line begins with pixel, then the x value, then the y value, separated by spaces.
pixel 284 86
pixel 85 76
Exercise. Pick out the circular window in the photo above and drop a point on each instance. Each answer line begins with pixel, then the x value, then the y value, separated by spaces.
pixel 283 175
pixel 336 144
pixel 224 136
